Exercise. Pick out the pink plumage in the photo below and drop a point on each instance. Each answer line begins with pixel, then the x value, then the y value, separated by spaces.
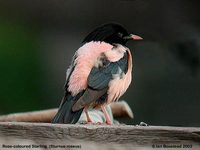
pixel 86 56
pixel 118 86
pixel 99 74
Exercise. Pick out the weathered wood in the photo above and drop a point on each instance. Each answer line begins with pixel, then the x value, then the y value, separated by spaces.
pixel 115 134
pixel 32 116
pixel 119 109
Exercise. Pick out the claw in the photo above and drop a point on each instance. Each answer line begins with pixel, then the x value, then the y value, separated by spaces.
pixel 108 122
pixel 98 123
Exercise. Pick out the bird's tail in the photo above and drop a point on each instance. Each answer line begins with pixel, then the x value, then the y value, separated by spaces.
pixel 65 113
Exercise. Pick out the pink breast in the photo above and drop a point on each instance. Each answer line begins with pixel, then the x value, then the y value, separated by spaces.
pixel 118 86
pixel 85 60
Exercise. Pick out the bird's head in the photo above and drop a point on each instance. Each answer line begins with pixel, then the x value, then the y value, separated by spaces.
pixel 111 33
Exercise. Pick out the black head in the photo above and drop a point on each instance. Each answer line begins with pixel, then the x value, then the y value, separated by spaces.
pixel 110 33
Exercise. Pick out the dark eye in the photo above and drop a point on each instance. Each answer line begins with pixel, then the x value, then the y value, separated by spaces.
pixel 120 35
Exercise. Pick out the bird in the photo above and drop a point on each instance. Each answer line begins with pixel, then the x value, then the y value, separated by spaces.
pixel 100 73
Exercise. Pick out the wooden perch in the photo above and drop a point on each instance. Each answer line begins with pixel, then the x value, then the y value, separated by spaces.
pixel 121 136
pixel 119 109
pixel 33 116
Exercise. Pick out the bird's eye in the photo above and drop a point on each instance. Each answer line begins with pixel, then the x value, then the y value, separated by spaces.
pixel 120 35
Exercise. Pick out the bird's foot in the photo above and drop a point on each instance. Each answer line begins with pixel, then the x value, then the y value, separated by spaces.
pixel 103 123
pixel 108 122
pixel 95 123
pixel 90 123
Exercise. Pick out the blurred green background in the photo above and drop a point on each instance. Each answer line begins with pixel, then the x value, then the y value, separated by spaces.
pixel 38 39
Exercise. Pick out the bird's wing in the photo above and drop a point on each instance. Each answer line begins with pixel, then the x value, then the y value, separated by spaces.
pixel 68 74
pixel 99 78
pixel 70 70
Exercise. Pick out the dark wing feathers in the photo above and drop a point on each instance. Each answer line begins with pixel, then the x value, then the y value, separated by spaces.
pixel 99 78
pixel 123 63
pixel 71 107
pixel 88 97
pixel 98 81
pixel 65 113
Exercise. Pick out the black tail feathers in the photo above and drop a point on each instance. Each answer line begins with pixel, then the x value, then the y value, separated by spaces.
pixel 65 113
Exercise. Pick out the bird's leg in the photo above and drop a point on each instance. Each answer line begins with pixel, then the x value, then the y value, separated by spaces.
pixel 108 120
pixel 89 120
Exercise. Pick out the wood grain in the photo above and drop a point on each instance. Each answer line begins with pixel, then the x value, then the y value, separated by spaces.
pixel 100 134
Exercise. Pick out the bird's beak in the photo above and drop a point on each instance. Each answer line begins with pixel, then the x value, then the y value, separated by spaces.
pixel 133 37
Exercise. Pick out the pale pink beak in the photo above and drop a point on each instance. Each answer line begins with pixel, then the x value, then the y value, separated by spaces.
pixel 136 37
